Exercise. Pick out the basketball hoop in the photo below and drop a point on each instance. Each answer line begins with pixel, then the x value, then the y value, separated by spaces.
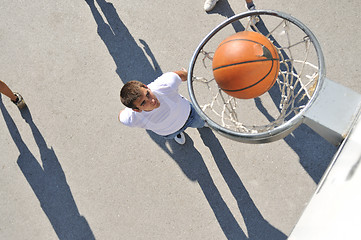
pixel 275 114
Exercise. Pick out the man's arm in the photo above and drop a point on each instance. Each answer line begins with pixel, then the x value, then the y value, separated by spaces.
pixel 182 74
pixel 119 115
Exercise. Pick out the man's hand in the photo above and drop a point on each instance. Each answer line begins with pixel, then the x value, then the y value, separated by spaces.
pixel 182 74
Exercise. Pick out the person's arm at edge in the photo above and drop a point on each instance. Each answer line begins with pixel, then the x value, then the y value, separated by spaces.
pixel 119 114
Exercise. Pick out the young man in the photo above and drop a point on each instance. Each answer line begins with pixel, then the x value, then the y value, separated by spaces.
pixel 159 107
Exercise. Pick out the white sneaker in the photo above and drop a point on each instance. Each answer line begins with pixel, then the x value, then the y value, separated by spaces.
pixel 180 138
pixel 209 5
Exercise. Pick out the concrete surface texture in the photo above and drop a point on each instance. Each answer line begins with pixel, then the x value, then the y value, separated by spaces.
pixel 70 170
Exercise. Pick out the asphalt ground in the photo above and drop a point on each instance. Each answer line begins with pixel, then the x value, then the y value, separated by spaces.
pixel 70 170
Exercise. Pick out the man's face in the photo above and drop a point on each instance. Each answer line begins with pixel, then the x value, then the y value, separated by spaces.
pixel 147 101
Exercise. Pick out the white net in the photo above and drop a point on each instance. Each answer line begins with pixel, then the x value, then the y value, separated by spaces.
pixel 295 85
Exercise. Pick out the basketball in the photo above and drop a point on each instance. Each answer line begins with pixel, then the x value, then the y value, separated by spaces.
pixel 246 65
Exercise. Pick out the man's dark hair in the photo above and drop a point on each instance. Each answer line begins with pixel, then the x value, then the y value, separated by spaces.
pixel 131 92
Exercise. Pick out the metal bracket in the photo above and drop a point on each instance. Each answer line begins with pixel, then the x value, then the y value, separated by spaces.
pixel 334 111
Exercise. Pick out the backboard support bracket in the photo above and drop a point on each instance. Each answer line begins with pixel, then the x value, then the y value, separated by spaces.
pixel 334 111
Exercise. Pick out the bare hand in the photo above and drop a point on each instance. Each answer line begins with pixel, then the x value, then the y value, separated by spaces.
pixel 182 74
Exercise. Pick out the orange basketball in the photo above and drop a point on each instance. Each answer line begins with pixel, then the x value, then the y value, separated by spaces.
pixel 245 65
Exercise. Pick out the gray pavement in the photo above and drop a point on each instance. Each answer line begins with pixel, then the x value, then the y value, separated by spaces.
pixel 69 170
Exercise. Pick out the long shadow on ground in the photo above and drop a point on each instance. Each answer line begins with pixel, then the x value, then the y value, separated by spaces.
pixel 47 180
pixel 192 164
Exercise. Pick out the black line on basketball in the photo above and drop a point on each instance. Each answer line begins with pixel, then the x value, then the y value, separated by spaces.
pixel 254 84
pixel 239 63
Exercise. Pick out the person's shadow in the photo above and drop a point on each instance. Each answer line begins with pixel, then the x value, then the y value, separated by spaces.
pixel 48 182
pixel 192 164
pixel 130 60
pixel 257 226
